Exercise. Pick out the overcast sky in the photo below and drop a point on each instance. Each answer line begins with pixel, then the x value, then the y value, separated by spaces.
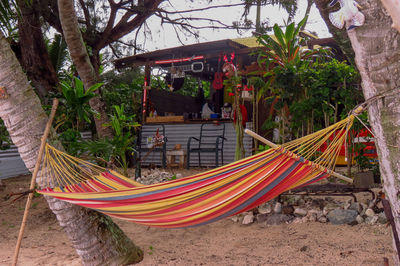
pixel 164 37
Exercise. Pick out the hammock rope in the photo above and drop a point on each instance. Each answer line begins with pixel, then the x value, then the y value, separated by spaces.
pixel 198 199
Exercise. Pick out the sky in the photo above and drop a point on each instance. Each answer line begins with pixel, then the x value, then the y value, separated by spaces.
pixel 164 36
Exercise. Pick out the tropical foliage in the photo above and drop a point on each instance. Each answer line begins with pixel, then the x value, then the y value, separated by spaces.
pixel 76 102
pixel 306 89
pixel 118 149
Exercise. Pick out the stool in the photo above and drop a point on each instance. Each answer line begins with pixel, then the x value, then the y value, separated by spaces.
pixel 171 158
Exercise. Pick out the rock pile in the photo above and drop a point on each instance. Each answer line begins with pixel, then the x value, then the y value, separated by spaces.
pixel 149 177
pixel 295 208
pixel 300 209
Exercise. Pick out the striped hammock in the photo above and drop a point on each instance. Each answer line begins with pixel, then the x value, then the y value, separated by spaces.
pixel 201 198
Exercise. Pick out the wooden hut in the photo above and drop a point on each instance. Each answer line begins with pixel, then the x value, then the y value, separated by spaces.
pixel 181 116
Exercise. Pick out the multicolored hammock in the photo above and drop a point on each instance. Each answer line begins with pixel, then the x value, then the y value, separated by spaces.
pixel 201 198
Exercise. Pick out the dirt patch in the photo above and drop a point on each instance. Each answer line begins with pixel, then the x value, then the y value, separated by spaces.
pixel 223 242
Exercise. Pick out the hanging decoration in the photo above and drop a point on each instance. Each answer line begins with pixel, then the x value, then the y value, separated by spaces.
pixel 347 14
pixel 218 76
pixel 229 68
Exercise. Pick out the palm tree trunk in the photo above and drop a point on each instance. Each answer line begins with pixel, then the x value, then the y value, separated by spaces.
pixel 80 57
pixel 95 237
pixel 393 8
pixel 377 55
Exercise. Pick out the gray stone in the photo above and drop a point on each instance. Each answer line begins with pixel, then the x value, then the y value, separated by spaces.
pixel 371 220
pixel 322 219
pixel 359 219
pixel 248 219
pixel 301 202
pixel 300 212
pixel 340 216
pixel 356 206
pixel 369 212
pixel 265 208
pixel 382 218
pixel 278 207
pixel 277 218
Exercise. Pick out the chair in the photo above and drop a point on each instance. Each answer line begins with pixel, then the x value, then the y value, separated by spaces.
pixel 153 139
pixel 211 140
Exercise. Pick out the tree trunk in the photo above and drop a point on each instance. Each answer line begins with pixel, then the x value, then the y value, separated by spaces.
pixel 340 35
pixel 393 8
pixel 80 57
pixel 34 56
pixel 307 13
pixel 377 55
pixel 95 237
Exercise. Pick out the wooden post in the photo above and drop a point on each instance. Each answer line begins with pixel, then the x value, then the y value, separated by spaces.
pixel 273 145
pixel 33 181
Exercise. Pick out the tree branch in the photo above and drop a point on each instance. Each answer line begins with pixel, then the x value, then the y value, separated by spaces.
pixel 125 25
pixel 86 14
pixel 196 9
pixel 111 19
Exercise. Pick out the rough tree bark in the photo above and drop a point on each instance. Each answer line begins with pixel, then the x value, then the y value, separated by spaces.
pixel 377 55
pixel 34 56
pixel 393 8
pixel 80 57
pixel 97 240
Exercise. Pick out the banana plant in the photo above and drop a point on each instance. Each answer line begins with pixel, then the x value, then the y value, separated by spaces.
pixel 76 100
pixel 283 58
pixel 283 48
pixel 123 139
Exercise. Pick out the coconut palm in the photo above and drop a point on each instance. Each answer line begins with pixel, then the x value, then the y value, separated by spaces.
pixel 377 56
pixel 95 237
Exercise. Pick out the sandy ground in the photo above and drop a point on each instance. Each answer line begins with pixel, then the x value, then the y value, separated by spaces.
pixel 220 243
